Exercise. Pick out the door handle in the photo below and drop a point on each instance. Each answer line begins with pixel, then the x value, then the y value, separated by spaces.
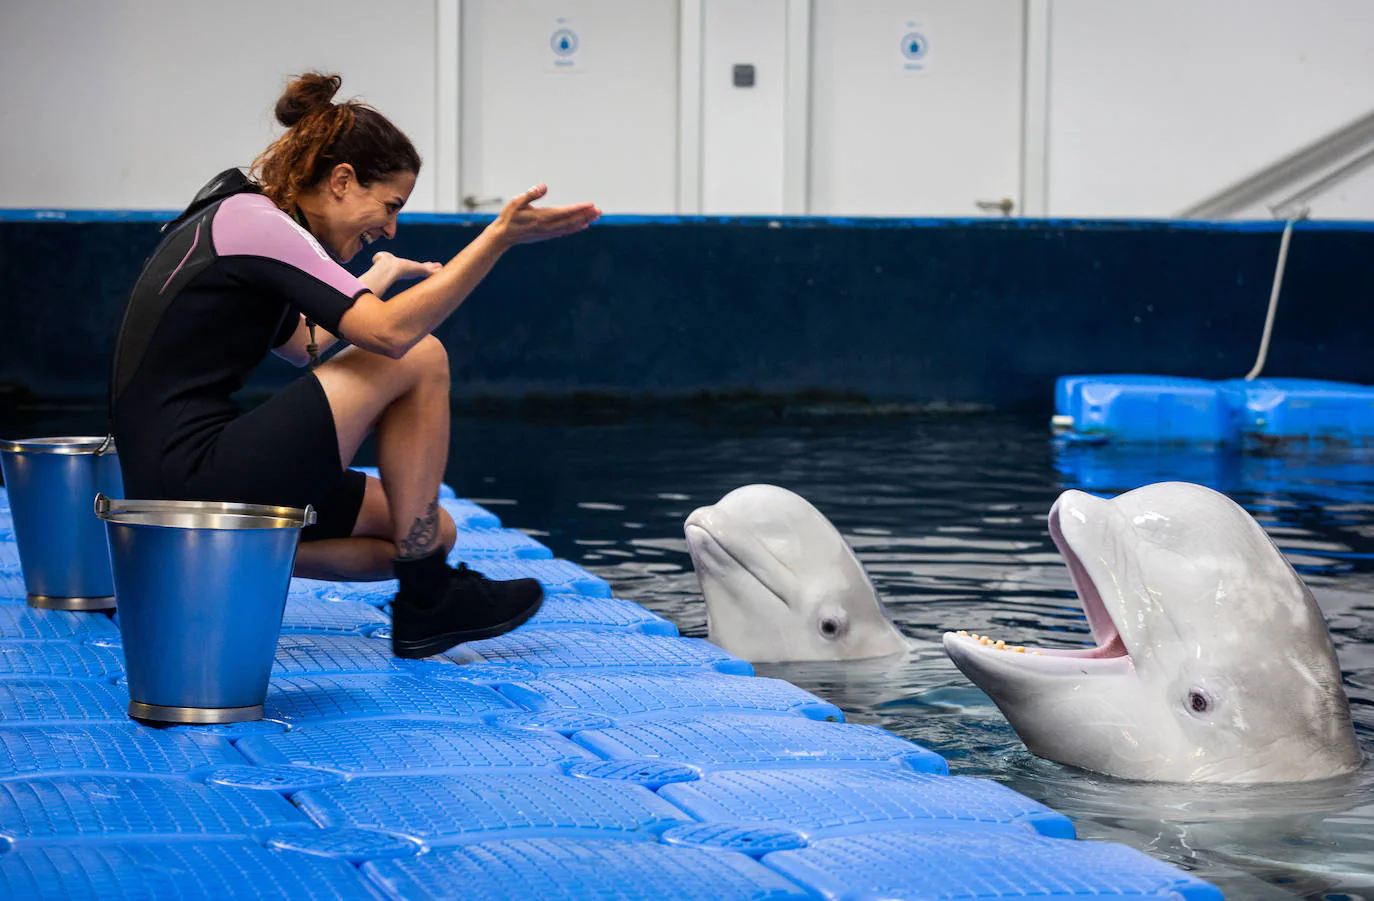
pixel 1004 206
pixel 472 202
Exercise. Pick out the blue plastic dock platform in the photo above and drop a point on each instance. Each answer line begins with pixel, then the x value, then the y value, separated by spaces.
pixel 592 753
pixel 1235 412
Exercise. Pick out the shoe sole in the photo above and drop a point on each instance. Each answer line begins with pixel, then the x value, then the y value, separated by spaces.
pixel 415 650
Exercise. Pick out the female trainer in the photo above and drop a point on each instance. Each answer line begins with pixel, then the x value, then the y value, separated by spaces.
pixel 254 265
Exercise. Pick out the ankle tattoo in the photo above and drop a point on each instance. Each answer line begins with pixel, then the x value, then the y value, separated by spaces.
pixel 423 535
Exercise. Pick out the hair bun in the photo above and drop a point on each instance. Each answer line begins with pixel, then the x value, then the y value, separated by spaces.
pixel 304 95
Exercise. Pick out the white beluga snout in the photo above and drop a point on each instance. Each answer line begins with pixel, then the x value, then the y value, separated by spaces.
pixel 781 583
pixel 1209 660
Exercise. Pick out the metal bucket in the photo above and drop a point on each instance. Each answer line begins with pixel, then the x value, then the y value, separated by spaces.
pixel 202 588
pixel 62 548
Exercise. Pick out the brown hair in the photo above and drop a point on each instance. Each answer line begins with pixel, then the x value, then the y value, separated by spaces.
pixel 321 134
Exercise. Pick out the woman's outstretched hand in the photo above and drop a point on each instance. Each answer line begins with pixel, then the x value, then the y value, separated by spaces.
pixel 522 223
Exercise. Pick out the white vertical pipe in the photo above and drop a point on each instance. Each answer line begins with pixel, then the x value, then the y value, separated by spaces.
pixel 448 35
pixel 796 153
pixel 689 108
pixel 1035 111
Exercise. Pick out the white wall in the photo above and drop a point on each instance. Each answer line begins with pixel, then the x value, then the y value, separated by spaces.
pixel 135 104
pixel 1136 108
pixel 1155 106
pixel 742 129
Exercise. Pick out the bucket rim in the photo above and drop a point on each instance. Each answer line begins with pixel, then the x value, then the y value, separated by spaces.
pixel 113 510
pixel 62 444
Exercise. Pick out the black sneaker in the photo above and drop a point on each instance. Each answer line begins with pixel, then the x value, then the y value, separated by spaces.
pixel 474 607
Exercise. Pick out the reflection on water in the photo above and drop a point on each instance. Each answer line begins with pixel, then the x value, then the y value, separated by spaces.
pixel 949 516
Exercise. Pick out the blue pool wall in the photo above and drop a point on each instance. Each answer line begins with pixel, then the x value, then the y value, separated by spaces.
pixel 963 312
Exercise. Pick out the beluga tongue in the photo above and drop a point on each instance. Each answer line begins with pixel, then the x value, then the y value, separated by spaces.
pixel 1211 660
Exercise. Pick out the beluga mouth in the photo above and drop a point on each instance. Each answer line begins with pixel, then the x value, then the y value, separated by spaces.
pixel 1109 651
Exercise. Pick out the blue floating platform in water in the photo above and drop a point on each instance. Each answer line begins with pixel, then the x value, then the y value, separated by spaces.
pixel 822 803
pixel 72 808
pixel 1166 409
pixel 569 649
pixel 1273 411
pixel 487 806
pixel 556 869
pixel 308 654
pixel 117 748
pixel 743 741
pixel 184 870
pixel 305 615
pixel 473 546
pixel 27 623
pixel 392 746
pixel 374 594
pixel 31 702
pixel 657 694
pixel 302 700
pixel 1142 408
pixel 987 863
pixel 578 611
pixel 61 659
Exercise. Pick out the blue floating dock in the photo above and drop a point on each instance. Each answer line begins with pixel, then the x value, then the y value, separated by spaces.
pixel 184 870
pixel 1166 409
pixel 572 870
pixel 483 806
pixel 592 753
pixel 76 808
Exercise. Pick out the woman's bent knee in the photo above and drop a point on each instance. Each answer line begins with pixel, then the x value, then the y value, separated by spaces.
pixel 428 357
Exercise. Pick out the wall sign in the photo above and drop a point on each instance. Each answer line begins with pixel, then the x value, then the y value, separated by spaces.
pixel 913 47
pixel 565 47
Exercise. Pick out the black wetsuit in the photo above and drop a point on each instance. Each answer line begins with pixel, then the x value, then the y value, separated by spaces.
pixel 228 284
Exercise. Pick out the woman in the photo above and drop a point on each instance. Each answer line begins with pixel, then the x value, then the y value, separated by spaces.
pixel 254 266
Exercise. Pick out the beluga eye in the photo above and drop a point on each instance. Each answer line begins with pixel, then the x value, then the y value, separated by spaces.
pixel 830 627
pixel 1199 702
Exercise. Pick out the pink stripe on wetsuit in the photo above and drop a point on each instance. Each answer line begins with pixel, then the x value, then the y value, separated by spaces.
pixel 251 225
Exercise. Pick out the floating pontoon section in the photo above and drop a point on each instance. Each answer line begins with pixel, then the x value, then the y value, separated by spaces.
pixel 1170 410
pixel 592 753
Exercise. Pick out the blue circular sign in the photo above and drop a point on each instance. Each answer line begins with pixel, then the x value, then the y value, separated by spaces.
pixel 564 42
pixel 914 45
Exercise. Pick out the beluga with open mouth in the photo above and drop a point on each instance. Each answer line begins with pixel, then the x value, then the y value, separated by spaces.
pixel 1211 660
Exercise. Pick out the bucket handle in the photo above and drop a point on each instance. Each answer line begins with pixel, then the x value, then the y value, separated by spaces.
pixel 102 509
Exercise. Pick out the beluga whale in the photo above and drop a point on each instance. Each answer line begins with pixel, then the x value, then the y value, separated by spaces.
pixel 1210 662
pixel 782 584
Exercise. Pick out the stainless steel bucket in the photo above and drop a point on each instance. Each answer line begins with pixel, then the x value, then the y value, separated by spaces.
pixel 62 549
pixel 201 588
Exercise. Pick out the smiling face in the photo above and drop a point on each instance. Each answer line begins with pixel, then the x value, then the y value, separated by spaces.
pixel 346 216
pixel 1210 659
pixel 781 583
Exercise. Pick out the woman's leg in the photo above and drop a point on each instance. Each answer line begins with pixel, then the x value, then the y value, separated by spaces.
pixel 367 555
pixel 406 401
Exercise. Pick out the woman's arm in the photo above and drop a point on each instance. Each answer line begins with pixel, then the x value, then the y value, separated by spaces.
pixel 387 269
pixel 393 327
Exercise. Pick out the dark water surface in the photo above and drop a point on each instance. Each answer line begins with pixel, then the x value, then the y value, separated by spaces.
pixel 948 513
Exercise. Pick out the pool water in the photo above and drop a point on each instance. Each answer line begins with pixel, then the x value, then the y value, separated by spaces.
pixel 948 513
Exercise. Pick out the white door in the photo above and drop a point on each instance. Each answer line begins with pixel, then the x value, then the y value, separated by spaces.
pixel 580 94
pixel 916 107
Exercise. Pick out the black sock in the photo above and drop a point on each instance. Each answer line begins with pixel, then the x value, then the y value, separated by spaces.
pixel 424 580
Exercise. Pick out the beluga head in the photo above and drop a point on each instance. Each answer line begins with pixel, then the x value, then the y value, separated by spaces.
pixel 781 584
pixel 1211 661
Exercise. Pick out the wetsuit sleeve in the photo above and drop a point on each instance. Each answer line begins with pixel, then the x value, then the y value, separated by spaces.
pixel 263 246
pixel 289 323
